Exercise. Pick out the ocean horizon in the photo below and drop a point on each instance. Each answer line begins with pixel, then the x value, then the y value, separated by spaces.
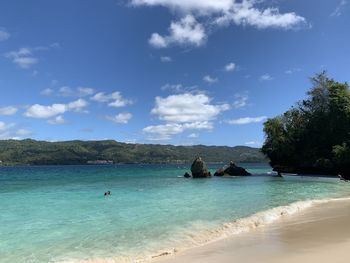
pixel 60 213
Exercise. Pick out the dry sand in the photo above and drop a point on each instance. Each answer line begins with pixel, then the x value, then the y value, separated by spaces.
pixel 318 234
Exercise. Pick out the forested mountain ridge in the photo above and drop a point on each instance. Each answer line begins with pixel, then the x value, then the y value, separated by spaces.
pixel 32 152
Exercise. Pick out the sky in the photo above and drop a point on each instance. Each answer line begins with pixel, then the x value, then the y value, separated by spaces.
pixel 180 72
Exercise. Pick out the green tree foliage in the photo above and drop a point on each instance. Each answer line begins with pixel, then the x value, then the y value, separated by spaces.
pixel 313 136
pixel 33 152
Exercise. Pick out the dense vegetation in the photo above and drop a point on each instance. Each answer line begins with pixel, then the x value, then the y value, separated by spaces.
pixel 313 136
pixel 80 152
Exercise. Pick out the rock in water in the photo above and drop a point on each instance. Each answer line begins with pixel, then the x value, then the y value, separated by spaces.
pixel 187 175
pixel 231 170
pixel 199 169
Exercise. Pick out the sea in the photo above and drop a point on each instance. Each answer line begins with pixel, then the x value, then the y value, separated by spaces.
pixel 60 213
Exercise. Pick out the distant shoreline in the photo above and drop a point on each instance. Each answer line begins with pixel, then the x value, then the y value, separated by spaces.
pixel 113 164
pixel 14 152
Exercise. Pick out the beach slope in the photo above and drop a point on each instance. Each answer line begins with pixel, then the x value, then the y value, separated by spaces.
pixel 318 234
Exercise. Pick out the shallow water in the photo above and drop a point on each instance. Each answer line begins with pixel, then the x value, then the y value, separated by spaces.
pixel 59 213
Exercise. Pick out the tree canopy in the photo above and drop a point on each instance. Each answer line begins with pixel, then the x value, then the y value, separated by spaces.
pixel 314 135
pixel 31 152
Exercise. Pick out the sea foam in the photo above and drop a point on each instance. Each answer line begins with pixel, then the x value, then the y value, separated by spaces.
pixel 193 237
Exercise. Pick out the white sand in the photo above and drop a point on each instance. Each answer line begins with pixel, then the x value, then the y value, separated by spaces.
pixel 318 234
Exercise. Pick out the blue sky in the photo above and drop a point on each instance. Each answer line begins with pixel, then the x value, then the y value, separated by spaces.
pixel 163 71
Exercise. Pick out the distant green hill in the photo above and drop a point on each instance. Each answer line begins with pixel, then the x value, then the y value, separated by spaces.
pixel 31 152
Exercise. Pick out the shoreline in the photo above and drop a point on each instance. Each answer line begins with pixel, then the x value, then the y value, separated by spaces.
pixel 258 232
pixel 317 232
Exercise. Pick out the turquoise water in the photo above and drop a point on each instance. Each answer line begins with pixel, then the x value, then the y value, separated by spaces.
pixel 55 214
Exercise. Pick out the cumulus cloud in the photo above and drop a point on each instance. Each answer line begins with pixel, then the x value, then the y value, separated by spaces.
pixel 247 14
pixel 210 80
pixel 47 111
pixel 121 118
pixel 266 77
pixel 218 13
pixel 186 31
pixel 58 120
pixel 187 108
pixel 9 110
pixel 114 99
pixel 166 59
pixel 247 120
pixel 230 67
pixel 183 112
pixel 4 35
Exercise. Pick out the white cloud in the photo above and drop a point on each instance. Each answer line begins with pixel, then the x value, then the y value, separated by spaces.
pixel 266 77
pixel 23 57
pixel 44 112
pixel 58 120
pixel 163 132
pixel 167 131
pixel 230 67
pixel 187 107
pixel 185 32
pixel 183 112
pixel 247 14
pixel 166 59
pixel 9 110
pixel 8 131
pixel 47 92
pixel 4 35
pixel 121 118
pixel 210 79
pixel 41 111
pixel 339 8
pixel 77 105
pixel 240 101
pixel 78 92
pixel 246 120
pixel 193 135
pixel 205 6
pixel 218 13
pixel 4 126
pixel 114 99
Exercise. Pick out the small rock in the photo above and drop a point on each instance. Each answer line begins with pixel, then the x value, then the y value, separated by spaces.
pixel 231 170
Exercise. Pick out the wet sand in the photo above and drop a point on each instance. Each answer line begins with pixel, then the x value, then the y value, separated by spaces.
pixel 318 234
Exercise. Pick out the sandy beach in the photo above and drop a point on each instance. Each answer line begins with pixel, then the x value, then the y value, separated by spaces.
pixel 318 234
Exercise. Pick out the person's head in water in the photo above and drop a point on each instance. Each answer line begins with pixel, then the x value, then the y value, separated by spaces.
pixel 109 192
pixel 105 194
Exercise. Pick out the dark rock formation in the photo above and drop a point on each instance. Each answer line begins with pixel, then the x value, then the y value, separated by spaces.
pixel 231 170
pixel 199 169
pixel 187 175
